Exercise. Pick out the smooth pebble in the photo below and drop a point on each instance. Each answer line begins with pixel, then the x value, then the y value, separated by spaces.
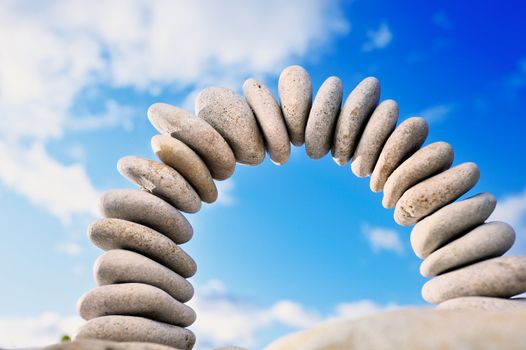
pixel 483 304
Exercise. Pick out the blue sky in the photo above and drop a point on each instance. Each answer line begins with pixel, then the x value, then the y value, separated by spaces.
pixel 284 247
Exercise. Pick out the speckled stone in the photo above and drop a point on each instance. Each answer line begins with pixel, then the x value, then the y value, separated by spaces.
pixel 449 222
pixel 405 140
pixel 146 209
pixel 322 118
pixel 197 134
pixel 376 132
pixel 124 266
pixel 426 162
pixel 295 95
pixel 135 299
pixel 485 241
pixel 356 110
pixel 230 348
pixel 270 119
pixel 232 117
pixel 502 277
pixel 120 234
pixel 483 304
pixel 432 194
pixel 186 162
pixel 137 329
pixel 94 344
pixel 160 180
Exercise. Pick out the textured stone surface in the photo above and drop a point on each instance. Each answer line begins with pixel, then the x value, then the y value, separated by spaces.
pixel 432 194
pixel 376 132
pixel 94 344
pixel 499 277
pixel 137 329
pixel 486 241
pixel 231 116
pixel 405 140
pixel 483 304
pixel 270 119
pixel 160 180
pixel 124 266
pixel 146 209
pixel 295 95
pixel 322 118
pixel 120 234
pixel 426 162
pixel 197 134
pixel 354 115
pixel 186 162
pixel 449 222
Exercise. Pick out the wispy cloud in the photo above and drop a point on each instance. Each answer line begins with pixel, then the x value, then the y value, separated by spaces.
pixel 225 190
pixel 442 20
pixel 437 113
pixel 383 239
pixel 512 210
pixel 378 38
pixel 69 248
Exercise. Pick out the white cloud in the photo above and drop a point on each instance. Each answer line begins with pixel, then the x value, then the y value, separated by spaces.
pixel 69 248
pixel 512 210
pixel 383 239
pixel 224 192
pixel 378 38
pixel 436 113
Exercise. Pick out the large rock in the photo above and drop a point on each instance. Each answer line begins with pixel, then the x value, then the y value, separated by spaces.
pixel 95 344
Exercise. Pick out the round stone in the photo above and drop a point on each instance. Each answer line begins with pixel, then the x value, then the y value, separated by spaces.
pixel 120 234
pixel 485 241
pixel 270 119
pixel 483 304
pixel 231 116
pixel 376 132
pixel 124 266
pixel 426 162
pixel 94 344
pixel 197 134
pixel 353 117
pixel 322 118
pixel 501 277
pixel 160 180
pixel 432 194
pixel 146 209
pixel 449 222
pixel 186 162
pixel 135 299
pixel 295 95
pixel 405 140
pixel 137 329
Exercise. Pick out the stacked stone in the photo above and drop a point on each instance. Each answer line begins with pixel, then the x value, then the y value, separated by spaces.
pixel 141 277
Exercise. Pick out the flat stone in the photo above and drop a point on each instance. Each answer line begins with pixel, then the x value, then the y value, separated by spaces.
pixel 426 162
pixel 355 112
pixel 295 95
pixel 186 162
pixel 146 209
pixel 501 277
pixel 405 140
pixel 137 329
pixel 120 234
pixel 231 116
pixel 160 180
pixel 134 299
pixel 230 348
pixel 93 344
pixel 322 118
pixel 485 241
pixel 376 132
pixel 449 222
pixel 483 304
pixel 270 119
pixel 124 266
pixel 196 134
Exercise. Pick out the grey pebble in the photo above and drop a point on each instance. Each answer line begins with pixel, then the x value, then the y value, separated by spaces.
pixel 483 304
pixel 95 344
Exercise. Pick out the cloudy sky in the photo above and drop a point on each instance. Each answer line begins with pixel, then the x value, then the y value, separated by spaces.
pixel 285 247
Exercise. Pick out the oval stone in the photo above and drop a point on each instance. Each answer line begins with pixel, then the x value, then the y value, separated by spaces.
pixel 231 116
pixel 426 162
pixel 137 329
pixel 124 266
pixel 353 117
pixel 322 118
pixel 485 241
pixel 295 95
pixel 483 304
pixel 449 222
pixel 405 140
pixel 186 162
pixel 377 131
pixel 197 134
pixel 501 277
pixel 270 119
pixel 120 234
pixel 160 180
pixel 94 344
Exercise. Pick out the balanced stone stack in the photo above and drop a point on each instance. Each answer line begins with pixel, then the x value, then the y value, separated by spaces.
pixel 142 276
